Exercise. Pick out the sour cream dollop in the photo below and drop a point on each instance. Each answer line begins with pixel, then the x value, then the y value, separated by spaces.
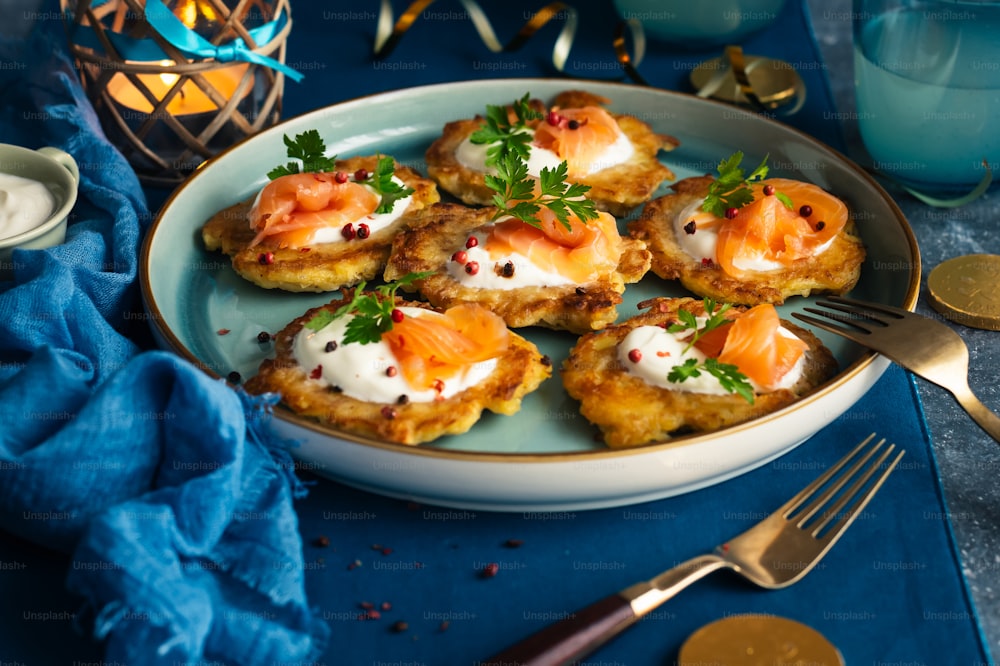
pixel 360 371
pixel 473 156
pixel 24 204
pixel 375 221
pixel 659 351
pixel 525 272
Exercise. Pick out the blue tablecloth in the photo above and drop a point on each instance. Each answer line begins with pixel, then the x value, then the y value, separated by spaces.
pixel 891 592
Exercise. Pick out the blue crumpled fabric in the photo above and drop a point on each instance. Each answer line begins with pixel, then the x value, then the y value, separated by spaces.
pixel 162 484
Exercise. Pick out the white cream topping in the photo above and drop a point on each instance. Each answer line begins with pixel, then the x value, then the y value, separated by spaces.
pixel 362 371
pixel 526 272
pixel 661 350
pixel 375 221
pixel 473 156
pixel 24 204
pixel 702 243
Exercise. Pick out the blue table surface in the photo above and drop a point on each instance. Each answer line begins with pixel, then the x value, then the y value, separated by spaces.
pixel 883 596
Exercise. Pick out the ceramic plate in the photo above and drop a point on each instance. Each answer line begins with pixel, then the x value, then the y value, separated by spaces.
pixel 545 458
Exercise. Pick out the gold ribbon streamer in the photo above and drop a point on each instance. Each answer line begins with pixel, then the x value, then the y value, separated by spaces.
pixel 738 65
pixel 389 32
pixel 629 63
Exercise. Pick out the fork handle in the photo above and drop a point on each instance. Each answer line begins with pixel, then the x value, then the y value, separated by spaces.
pixel 582 632
pixel 979 412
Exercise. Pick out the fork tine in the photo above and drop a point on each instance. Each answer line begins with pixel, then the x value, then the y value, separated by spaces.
pixel 853 313
pixel 835 519
pixel 800 498
pixel 879 307
pixel 854 332
pixel 836 482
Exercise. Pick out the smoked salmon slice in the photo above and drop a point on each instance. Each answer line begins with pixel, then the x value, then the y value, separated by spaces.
pixel 755 346
pixel 291 208
pixel 436 348
pixel 769 230
pixel 580 253
pixel 578 136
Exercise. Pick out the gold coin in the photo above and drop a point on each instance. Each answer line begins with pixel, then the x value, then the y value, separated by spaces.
pixel 755 640
pixel 967 290
pixel 775 82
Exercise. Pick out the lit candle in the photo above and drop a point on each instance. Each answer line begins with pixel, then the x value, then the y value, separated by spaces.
pixel 190 99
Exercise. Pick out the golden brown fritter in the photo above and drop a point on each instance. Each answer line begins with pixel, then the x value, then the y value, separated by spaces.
pixel 835 270
pixel 519 371
pixel 320 267
pixel 630 412
pixel 443 228
pixel 617 189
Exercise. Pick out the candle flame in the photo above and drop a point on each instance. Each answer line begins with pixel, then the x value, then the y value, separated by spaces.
pixel 189 10
pixel 167 78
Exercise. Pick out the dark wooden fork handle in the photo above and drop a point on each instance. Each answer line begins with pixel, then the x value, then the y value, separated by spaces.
pixel 571 638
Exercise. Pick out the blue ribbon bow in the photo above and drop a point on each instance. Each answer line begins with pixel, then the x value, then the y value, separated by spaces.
pixel 189 42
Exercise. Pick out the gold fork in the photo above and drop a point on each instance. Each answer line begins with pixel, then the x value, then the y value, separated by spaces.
pixel 926 347
pixel 774 553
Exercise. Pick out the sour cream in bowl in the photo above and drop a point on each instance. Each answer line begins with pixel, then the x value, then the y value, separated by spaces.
pixel 38 189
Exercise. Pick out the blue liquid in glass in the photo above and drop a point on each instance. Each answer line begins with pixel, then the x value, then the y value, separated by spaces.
pixel 928 86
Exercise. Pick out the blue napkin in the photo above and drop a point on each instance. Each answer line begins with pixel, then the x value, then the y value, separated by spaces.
pixel 176 508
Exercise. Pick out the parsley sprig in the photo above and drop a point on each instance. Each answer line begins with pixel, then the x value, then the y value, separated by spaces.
pixel 732 189
pixel 503 136
pixel 371 310
pixel 388 189
pixel 515 193
pixel 309 148
pixel 728 375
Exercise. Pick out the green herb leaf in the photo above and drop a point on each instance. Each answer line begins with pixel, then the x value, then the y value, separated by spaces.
pixel 388 190
pixel 728 375
pixel 679 373
pixel 309 148
pixel 371 311
pixel 515 193
pixel 732 189
pixel 730 378
pixel 503 136
pixel 785 199
pixel 714 319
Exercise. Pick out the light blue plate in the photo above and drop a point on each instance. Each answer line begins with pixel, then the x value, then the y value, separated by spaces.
pixel 191 294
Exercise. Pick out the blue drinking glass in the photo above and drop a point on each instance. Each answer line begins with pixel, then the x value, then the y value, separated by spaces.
pixel 927 77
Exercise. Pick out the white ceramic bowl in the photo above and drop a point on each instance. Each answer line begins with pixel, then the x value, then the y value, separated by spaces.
pixel 58 172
